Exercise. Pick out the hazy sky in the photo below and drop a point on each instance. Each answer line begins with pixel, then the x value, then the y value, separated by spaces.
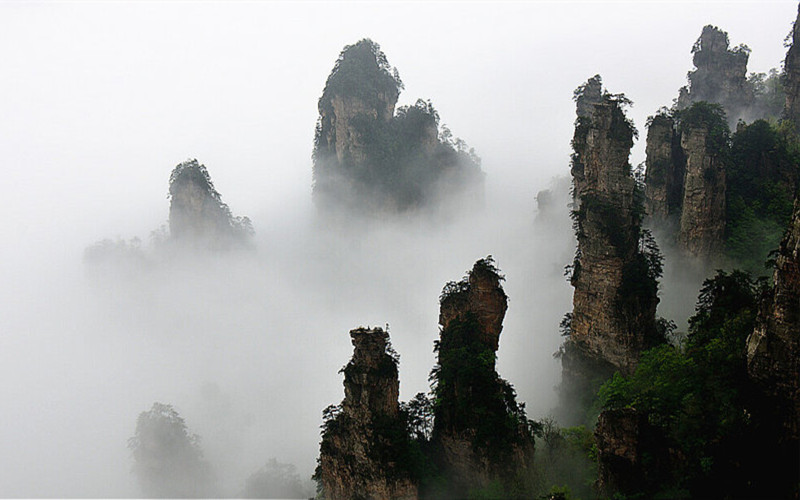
pixel 101 100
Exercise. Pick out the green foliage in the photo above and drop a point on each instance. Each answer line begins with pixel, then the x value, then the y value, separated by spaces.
pixel 769 94
pixel 698 396
pixel 468 394
pixel 710 116
pixel 565 464
pixel 362 71
pixel 762 181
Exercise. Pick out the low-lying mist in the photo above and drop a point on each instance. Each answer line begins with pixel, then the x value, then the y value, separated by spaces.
pixel 247 345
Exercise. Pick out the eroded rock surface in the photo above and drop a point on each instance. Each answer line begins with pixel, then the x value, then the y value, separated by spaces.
pixel 702 221
pixel 359 452
pixel 792 78
pixel 474 442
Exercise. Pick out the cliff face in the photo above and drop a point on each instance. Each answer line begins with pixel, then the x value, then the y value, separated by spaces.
pixel 665 171
pixel 720 75
pixel 773 350
pixel 685 182
pixel 606 325
pixel 631 454
pixel 370 159
pixel 481 297
pixel 197 215
pixel 792 79
pixel 702 220
pixel 474 442
pixel 358 453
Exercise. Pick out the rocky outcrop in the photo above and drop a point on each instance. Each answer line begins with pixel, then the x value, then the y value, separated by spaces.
pixel 702 220
pixel 685 180
pixel 480 433
pixel 369 159
pixel 665 168
pixel 606 323
pixel 482 297
pixel 720 75
pixel 197 215
pixel 791 67
pixel 614 302
pixel 631 453
pixel 360 451
pixel 773 350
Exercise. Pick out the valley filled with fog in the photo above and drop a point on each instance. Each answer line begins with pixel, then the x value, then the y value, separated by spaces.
pixel 102 101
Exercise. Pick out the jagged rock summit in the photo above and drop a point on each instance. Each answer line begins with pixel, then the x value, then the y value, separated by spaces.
pixel 617 262
pixel 197 215
pixel 720 75
pixel 369 159
pixel 365 435
pixel 480 434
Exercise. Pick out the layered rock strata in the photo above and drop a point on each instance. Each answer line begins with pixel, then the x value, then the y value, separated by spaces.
pixel 702 220
pixel 605 324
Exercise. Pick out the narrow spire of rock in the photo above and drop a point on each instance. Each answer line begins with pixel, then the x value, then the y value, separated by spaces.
pixel 365 437
pixel 616 264
pixel 665 169
pixel 791 67
pixel 720 75
pixel 702 221
pixel 480 433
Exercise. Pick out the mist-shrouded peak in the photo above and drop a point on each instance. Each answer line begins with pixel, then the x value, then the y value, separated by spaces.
pixel 197 215
pixel 720 75
pixel 369 159
pixel 365 443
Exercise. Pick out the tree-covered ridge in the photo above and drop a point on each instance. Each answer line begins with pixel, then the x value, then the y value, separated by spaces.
pixel 763 177
pixel 762 173
pixel 698 397
pixel 369 158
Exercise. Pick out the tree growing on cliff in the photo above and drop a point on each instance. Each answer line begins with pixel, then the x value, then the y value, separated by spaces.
pixel 700 396
pixel 168 460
